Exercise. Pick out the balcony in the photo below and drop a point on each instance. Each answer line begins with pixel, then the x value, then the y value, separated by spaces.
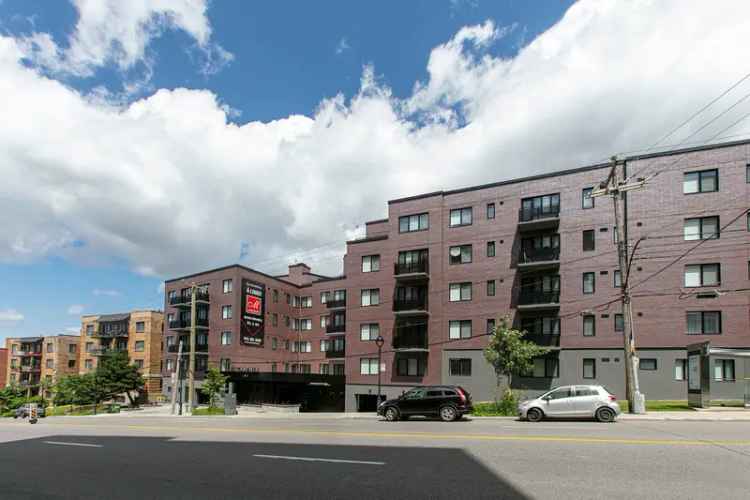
pixel 336 328
pixel 539 212
pixel 103 351
pixel 336 303
pixel 410 339
pixel 419 269
pixel 180 300
pixel 30 353
pixel 180 324
pixel 31 368
pixel 336 351
pixel 199 348
pixel 410 305
pixel 543 340
pixel 539 257
pixel 535 299
pixel 119 333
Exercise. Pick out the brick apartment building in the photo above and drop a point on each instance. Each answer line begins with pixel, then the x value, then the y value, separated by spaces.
pixel 33 359
pixel 139 333
pixel 3 366
pixel 436 274
pixel 277 337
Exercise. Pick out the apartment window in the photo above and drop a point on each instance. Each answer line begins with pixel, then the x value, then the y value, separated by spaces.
pixel 89 330
pixel 89 346
pixel 325 321
pixel 275 296
pixel 71 363
pixel 460 292
pixel 140 326
pixel 724 370
pixel 170 341
pixel 701 228
pixel 617 279
pixel 274 343
pixel 490 325
pixel 409 223
pixel 460 254
pixel 296 301
pixel 370 297
pixel 589 283
pixel 288 299
pixel 491 210
pixel 460 329
pixel 302 346
pixel 226 312
pixel 170 317
pixel 460 367
pixel 324 296
pixel 88 364
pixel 226 338
pixel 546 368
pixel 587 201
pixel 702 275
pixel 323 345
pixel 647 364
pixel 140 346
pixel 274 319
pixel 50 347
pixel 589 325
pixel 491 288
pixel 705 181
pixel 306 302
pixel 704 322
pixel 370 263
pixel 287 321
pixel 368 366
pixel 227 286
pixel 369 331
pixel 410 367
pixel 286 345
pixel 490 249
pixel 589 240
pixel 589 368
pixel 619 322
pixel 139 363
pixel 50 363
pixel 72 348
pixel 305 324
pixel 680 368
pixel 170 365
pixel 225 364
pixel 460 217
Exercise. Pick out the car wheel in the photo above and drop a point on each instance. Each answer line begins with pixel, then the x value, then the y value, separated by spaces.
pixel 534 415
pixel 605 415
pixel 391 414
pixel 448 414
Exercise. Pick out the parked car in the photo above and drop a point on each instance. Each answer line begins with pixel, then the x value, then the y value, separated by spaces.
pixel 449 402
pixel 23 411
pixel 572 401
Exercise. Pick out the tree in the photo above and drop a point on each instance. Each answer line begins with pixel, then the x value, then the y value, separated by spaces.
pixel 117 375
pixel 509 353
pixel 213 385
pixel 90 388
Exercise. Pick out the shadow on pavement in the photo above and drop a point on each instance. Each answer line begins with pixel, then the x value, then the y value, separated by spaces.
pixel 152 467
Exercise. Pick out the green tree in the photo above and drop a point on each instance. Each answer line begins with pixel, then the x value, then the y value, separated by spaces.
pixel 213 385
pixel 90 388
pixel 66 390
pixel 117 375
pixel 509 353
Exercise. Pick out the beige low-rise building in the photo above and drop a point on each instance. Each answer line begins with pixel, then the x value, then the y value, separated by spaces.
pixel 32 360
pixel 138 333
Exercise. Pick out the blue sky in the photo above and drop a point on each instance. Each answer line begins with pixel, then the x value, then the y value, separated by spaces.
pixel 141 141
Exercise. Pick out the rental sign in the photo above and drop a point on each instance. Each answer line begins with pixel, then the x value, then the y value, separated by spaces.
pixel 252 331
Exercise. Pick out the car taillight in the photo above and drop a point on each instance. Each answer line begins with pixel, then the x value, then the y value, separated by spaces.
pixel 612 398
pixel 461 395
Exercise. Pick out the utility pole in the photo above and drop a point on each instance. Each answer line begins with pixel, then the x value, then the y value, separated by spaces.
pixel 191 354
pixel 617 187
pixel 176 386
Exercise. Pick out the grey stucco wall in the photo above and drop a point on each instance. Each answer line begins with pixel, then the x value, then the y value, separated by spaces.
pixel 482 384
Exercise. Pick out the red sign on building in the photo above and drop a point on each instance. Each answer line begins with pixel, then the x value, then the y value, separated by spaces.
pixel 252 305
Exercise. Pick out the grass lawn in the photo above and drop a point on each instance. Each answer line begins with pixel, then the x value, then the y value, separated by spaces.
pixel 659 405
pixel 208 411
pixel 493 409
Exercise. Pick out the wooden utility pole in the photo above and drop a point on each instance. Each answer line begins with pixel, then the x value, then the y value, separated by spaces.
pixel 617 187
pixel 176 386
pixel 191 354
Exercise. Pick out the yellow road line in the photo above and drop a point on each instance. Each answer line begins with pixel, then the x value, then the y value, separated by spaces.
pixel 425 435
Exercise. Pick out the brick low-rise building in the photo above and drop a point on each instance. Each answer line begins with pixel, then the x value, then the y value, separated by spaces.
pixel 437 274
pixel 138 333
pixel 32 360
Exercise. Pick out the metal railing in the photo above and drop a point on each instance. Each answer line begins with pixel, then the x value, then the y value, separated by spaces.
pixel 336 328
pixel 200 296
pixel 334 304
pixel 410 337
pixel 414 267
pixel 545 254
pixel 531 297
pixel 418 303
pixel 178 324
pixel 534 213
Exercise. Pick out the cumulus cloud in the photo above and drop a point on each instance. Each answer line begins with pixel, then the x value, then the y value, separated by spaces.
pixel 10 315
pixel 75 309
pixel 342 45
pixel 171 185
pixel 118 32
pixel 105 292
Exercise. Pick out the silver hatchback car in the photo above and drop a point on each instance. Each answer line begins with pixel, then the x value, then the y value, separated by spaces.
pixel 572 401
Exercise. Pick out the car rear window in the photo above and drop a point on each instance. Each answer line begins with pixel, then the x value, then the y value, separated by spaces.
pixel 431 394
pixel 586 391
pixel 450 393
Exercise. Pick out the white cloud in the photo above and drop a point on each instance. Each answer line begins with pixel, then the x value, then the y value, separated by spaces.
pixel 160 288
pixel 10 315
pixel 342 45
pixel 170 185
pixel 119 32
pixel 105 292
pixel 75 309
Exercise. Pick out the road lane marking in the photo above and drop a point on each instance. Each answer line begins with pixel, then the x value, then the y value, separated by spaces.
pixel 424 435
pixel 312 459
pixel 63 443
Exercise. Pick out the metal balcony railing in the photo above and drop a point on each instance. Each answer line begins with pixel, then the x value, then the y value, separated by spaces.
pixel 543 340
pixel 410 337
pixel 418 303
pixel 532 297
pixel 529 214
pixel 336 304
pixel 180 299
pixel 186 347
pixel 414 267
pixel 546 254
pixel 180 324
pixel 336 328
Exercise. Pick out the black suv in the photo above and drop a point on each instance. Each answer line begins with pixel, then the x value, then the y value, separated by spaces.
pixel 449 402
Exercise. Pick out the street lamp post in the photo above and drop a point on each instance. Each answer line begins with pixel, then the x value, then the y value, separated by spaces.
pixel 379 342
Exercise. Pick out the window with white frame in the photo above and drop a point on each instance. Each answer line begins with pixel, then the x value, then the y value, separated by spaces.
pixel 724 370
pixel 587 201
pixel 305 302
pixel 226 312
pixel 702 275
pixel 225 364
pixel 370 263
pixel 459 329
pixel 460 216
pixel 370 297
pixel 301 346
pixel 305 324
pixel 460 292
pixel 680 369
pixel 368 366
pixel 704 181
pixel 227 286
pixel 369 331
pixel 226 338
pixel 701 228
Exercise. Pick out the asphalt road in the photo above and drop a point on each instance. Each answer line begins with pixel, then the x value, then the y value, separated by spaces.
pixel 165 457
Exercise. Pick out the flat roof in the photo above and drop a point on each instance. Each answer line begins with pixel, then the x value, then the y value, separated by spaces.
pixel 222 268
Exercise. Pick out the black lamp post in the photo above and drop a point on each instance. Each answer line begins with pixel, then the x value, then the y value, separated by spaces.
pixel 379 342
